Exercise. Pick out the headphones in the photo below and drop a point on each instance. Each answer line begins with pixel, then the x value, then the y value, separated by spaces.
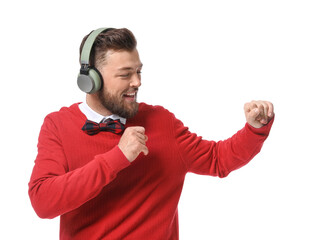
pixel 89 79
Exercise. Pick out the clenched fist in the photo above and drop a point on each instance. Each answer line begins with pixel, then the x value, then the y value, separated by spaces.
pixel 133 142
pixel 258 113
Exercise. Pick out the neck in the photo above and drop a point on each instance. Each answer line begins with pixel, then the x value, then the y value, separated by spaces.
pixel 94 104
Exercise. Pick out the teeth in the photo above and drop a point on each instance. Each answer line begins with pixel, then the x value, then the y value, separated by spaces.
pixel 130 94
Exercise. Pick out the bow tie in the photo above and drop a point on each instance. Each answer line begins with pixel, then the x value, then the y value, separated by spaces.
pixel 109 125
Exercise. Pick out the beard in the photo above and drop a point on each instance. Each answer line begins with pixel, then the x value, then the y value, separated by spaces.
pixel 117 105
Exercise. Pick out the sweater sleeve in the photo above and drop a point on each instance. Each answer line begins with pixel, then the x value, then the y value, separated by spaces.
pixel 53 190
pixel 219 158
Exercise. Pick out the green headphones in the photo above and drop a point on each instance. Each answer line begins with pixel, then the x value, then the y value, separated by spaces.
pixel 89 79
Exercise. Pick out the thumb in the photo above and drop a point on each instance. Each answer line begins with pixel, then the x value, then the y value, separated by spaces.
pixel 254 113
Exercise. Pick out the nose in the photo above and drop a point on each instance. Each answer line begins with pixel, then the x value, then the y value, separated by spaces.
pixel 136 80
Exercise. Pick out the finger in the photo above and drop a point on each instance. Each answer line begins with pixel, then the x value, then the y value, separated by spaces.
pixel 255 110
pixel 266 109
pixel 253 114
pixel 247 107
pixel 144 150
pixel 141 141
pixel 136 129
pixel 252 105
pixel 270 109
pixel 139 129
pixel 141 137
pixel 264 112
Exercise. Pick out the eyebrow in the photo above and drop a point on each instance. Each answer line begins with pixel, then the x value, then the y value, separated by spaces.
pixel 129 68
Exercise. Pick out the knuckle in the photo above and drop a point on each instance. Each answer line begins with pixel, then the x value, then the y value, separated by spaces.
pixel 128 130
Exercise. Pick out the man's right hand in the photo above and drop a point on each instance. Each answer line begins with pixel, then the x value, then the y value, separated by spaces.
pixel 133 142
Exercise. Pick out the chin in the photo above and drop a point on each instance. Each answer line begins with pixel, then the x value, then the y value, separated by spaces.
pixel 132 111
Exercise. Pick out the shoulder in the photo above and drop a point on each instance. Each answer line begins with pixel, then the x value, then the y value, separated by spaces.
pixel 155 110
pixel 64 111
pixel 155 119
pixel 65 114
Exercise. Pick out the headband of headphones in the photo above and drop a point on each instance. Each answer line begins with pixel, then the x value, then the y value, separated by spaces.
pixel 89 79
pixel 86 50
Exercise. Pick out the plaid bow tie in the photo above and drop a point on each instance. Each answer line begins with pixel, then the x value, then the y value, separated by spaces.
pixel 109 125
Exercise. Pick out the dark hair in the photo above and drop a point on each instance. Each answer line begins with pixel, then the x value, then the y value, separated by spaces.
pixel 110 39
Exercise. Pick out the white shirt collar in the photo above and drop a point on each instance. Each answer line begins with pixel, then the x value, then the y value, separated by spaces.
pixel 96 117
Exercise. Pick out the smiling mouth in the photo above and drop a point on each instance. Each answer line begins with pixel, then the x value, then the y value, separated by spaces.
pixel 130 96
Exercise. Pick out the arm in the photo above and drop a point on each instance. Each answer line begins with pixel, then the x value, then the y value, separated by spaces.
pixel 54 190
pixel 220 158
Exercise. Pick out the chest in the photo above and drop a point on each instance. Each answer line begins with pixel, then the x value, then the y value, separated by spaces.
pixel 163 158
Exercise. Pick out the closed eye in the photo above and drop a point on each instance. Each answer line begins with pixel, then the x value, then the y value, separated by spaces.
pixel 125 75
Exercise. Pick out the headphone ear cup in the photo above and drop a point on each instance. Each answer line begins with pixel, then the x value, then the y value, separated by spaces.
pixel 96 76
pixel 90 83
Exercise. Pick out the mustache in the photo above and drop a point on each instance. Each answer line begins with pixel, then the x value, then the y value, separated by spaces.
pixel 130 90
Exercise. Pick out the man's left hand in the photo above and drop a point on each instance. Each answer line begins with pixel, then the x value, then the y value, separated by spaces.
pixel 258 113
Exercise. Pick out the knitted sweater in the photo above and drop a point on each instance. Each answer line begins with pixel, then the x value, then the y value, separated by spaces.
pixel 99 194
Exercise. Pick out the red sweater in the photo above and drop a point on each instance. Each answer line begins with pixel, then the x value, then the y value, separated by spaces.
pixel 101 195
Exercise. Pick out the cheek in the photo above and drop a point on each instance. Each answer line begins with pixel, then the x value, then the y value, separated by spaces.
pixel 116 86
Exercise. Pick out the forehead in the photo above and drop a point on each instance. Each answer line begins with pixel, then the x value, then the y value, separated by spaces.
pixel 117 60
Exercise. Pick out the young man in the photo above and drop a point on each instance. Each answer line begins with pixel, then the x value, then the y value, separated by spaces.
pixel 125 182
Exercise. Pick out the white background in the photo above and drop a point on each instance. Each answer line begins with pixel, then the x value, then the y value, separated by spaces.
pixel 202 60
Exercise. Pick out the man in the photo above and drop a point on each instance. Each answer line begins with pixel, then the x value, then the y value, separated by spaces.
pixel 125 182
